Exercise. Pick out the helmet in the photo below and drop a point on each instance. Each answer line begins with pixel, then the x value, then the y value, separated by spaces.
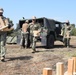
pixel 1 10
pixel 34 17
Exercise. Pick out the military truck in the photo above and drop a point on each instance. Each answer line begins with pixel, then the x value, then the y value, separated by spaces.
pixel 51 31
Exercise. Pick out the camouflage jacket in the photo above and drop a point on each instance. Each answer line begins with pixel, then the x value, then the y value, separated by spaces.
pixel 35 26
pixel 67 30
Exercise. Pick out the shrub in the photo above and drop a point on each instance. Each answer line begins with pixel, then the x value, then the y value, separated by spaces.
pixel 73 32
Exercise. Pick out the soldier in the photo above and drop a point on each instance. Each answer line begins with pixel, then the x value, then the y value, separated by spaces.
pixel 3 23
pixel 35 30
pixel 67 30
pixel 24 36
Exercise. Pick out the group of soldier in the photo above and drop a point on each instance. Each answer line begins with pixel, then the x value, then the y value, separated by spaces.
pixel 33 26
pixel 35 29
pixel 34 32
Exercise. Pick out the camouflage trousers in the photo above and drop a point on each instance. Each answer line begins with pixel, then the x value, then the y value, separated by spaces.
pixel 24 38
pixel 67 42
pixel 33 42
pixel 2 44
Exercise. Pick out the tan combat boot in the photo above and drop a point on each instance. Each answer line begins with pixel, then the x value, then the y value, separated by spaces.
pixel 2 58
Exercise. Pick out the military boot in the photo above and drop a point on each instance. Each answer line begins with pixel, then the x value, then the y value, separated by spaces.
pixel 34 50
pixel 2 58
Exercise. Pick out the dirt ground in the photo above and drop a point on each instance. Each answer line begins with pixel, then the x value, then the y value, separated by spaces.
pixel 23 62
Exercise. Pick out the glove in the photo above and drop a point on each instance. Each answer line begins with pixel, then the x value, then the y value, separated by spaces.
pixel 9 26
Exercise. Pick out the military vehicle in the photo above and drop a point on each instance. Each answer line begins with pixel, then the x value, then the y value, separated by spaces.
pixel 11 36
pixel 51 32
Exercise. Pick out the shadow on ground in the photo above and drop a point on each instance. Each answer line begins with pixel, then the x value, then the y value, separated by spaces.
pixel 55 46
pixel 20 58
pixel 59 46
pixel 72 46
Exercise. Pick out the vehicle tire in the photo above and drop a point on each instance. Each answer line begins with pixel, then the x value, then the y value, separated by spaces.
pixel 50 41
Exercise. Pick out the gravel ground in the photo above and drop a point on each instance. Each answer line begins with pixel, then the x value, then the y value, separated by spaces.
pixel 23 62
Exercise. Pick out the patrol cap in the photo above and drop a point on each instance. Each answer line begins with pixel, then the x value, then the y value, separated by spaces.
pixel 1 10
pixel 27 21
pixel 34 17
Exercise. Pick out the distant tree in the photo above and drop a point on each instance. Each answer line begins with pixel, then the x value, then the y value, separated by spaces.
pixel 73 25
pixel 73 32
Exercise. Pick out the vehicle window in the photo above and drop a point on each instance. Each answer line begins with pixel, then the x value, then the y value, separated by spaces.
pixel 58 28
pixel 57 25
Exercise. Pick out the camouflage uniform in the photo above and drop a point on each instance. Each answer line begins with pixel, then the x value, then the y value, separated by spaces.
pixel 2 44
pixel 67 30
pixel 34 27
pixel 2 38
pixel 24 35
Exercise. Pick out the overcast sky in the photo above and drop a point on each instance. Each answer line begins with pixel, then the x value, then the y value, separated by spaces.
pixel 60 10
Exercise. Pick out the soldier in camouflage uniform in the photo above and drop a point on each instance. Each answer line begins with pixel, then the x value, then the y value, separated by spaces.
pixel 2 36
pixel 35 30
pixel 24 34
pixel 4 27
pixel 67 30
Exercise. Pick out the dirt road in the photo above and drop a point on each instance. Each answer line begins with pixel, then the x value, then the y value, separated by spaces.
pixel 23 62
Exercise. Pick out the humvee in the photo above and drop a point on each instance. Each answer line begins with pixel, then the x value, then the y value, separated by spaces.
pixel 51 31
